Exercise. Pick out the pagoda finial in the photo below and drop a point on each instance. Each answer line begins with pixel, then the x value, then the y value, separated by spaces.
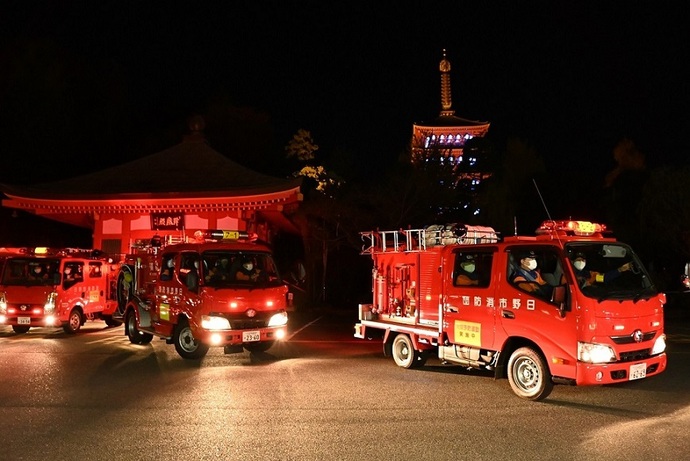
pixel 446 101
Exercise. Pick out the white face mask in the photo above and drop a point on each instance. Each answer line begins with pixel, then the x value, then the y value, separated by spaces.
pixel 579 265
pixel 249 266
pixel 469 268
pixel 532 264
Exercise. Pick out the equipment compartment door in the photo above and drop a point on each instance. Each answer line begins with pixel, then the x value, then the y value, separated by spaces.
pixel 470 306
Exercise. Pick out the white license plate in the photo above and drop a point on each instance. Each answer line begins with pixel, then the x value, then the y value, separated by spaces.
pixel 637 371
pixel 251 336
pixel 23 320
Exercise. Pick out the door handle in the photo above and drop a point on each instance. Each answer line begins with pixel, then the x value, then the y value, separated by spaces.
pixel 507 314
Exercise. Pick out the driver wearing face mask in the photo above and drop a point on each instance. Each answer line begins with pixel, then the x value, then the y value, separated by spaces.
pixel 247 271
pixel 527 277
pixel 467 275
pixel 586 277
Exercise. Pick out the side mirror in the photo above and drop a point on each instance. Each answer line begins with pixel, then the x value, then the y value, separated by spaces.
pixel 558 296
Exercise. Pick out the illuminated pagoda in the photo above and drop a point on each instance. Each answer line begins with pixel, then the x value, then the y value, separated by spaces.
pixel 445 137
pixel 171 194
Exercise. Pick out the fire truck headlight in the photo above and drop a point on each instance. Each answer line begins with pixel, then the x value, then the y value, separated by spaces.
pixel 49 307
pixel 212 322
pixel 595 353
pixel 659 345
pixel 278 319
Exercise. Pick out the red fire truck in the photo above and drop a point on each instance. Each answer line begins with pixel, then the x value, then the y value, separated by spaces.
pixel 47 287
pixel 219 289
pixel 453 291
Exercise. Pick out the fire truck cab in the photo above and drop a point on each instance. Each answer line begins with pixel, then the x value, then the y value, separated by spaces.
pixel 46 287
pixel 587 314
pixel 220 289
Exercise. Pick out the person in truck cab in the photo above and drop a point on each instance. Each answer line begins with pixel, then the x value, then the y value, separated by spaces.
pixel 586 277
pixel 37 273
pixel 168 270
pixel 527 277
pixel 220 272
pixel 247 271
pixel 467 274
pixel 70 276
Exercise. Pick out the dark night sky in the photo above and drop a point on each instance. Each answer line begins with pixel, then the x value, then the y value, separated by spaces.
pixel 92 84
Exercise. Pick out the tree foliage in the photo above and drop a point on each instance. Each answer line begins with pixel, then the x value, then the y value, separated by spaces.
pixel 664 213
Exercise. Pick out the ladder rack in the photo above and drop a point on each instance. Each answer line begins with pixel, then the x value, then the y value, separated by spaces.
pixel 416 240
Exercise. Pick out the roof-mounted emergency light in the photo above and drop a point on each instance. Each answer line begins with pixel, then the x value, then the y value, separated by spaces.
pixel 580 228
pixel 218 235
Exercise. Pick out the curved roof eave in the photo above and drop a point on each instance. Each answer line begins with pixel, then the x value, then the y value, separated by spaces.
pixel 451 120
pixel 32 192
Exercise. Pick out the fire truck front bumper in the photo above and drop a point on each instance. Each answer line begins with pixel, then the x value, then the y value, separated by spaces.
pixel 611 373
pixel 240 337
pixel 29 320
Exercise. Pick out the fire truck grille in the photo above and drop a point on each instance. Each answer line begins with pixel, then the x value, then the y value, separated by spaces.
pixel 244 324
pixel 634 355
pixel 629 339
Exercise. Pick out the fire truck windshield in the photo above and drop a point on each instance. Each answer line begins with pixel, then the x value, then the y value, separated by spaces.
pixel 239 268
pixel 31 271
pixel 609 271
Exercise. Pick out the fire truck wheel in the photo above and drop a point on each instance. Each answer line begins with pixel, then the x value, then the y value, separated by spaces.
pixel 74 322
pixel 528 374
pixel 259 347
pixel 404 354
pixel 20 329
pixel 185 344
pixel 135 335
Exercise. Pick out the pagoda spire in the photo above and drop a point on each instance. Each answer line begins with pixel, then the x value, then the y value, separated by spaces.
pixel 446 100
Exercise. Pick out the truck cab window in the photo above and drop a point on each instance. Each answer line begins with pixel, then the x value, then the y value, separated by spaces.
pixel 72 273
pixel 168 267
pixel 535 270
pixel 472 269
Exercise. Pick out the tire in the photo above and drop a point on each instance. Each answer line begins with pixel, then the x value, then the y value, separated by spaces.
pixel 135 335
pixel 74 322
pixel 404 354
pixel 259 347
pixel 185 343
pixel 528 374
pixel 20 329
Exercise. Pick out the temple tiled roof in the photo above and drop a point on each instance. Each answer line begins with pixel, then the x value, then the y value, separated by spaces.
pixel 191 168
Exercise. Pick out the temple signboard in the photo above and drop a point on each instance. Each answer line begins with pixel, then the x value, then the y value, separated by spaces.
pixel 167 221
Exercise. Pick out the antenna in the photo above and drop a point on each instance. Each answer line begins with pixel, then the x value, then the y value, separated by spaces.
pixel 548 215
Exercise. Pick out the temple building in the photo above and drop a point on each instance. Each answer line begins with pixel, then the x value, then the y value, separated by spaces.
pixel 445 138
pixel 171 194
pixel 448 132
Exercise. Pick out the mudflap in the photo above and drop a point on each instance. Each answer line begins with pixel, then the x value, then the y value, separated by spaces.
pixel 144 315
